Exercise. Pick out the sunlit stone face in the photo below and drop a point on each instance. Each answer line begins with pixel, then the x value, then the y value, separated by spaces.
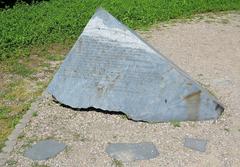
pixel 111 68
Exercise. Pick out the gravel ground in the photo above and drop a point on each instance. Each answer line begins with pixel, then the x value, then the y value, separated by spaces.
pixel 209 50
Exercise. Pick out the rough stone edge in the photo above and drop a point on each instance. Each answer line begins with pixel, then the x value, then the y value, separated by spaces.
pixel 12 138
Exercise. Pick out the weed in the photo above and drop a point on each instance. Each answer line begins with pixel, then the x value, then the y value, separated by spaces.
pixel 227 130
pixel 117 163
pixel 11 162
pixel 34 114
pixel 4 111
pixel 67 149
pixel 175 123
pixel 54 57
pixel 124 116
pixel 21 70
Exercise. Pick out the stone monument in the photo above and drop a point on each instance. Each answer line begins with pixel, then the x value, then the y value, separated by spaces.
pixel 111 68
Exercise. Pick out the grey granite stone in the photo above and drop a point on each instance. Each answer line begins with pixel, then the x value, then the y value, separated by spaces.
pixel 132 151
pixel 196 144
pixel 44 150
pixel 111 68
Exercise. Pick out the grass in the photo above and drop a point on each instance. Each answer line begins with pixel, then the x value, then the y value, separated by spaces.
pixel 34 114
pixel 117 163
pixel 175 124
pixel 33 37
pixel 14 103
pixel 11 162
pixel 25 26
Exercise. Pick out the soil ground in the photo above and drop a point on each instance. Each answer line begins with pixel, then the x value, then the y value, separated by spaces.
pixel 208 49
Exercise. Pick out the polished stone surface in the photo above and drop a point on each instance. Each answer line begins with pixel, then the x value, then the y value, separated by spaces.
pixel 111 68
pixel 132 151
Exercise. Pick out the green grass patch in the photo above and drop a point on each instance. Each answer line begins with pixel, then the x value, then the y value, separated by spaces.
pixel 54 57
pixel 21 70
pixel 25 26
pixel 4 111
pixel 15 100
pixel 34 114
pixel 9 118
pixel 117 163
pixel 175 124
pixel 11 162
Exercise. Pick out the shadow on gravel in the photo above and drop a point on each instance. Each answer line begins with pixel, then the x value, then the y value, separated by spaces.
pixel 91 109
pixel 120 113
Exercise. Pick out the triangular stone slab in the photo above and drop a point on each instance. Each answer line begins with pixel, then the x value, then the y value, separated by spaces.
pixel 111 68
